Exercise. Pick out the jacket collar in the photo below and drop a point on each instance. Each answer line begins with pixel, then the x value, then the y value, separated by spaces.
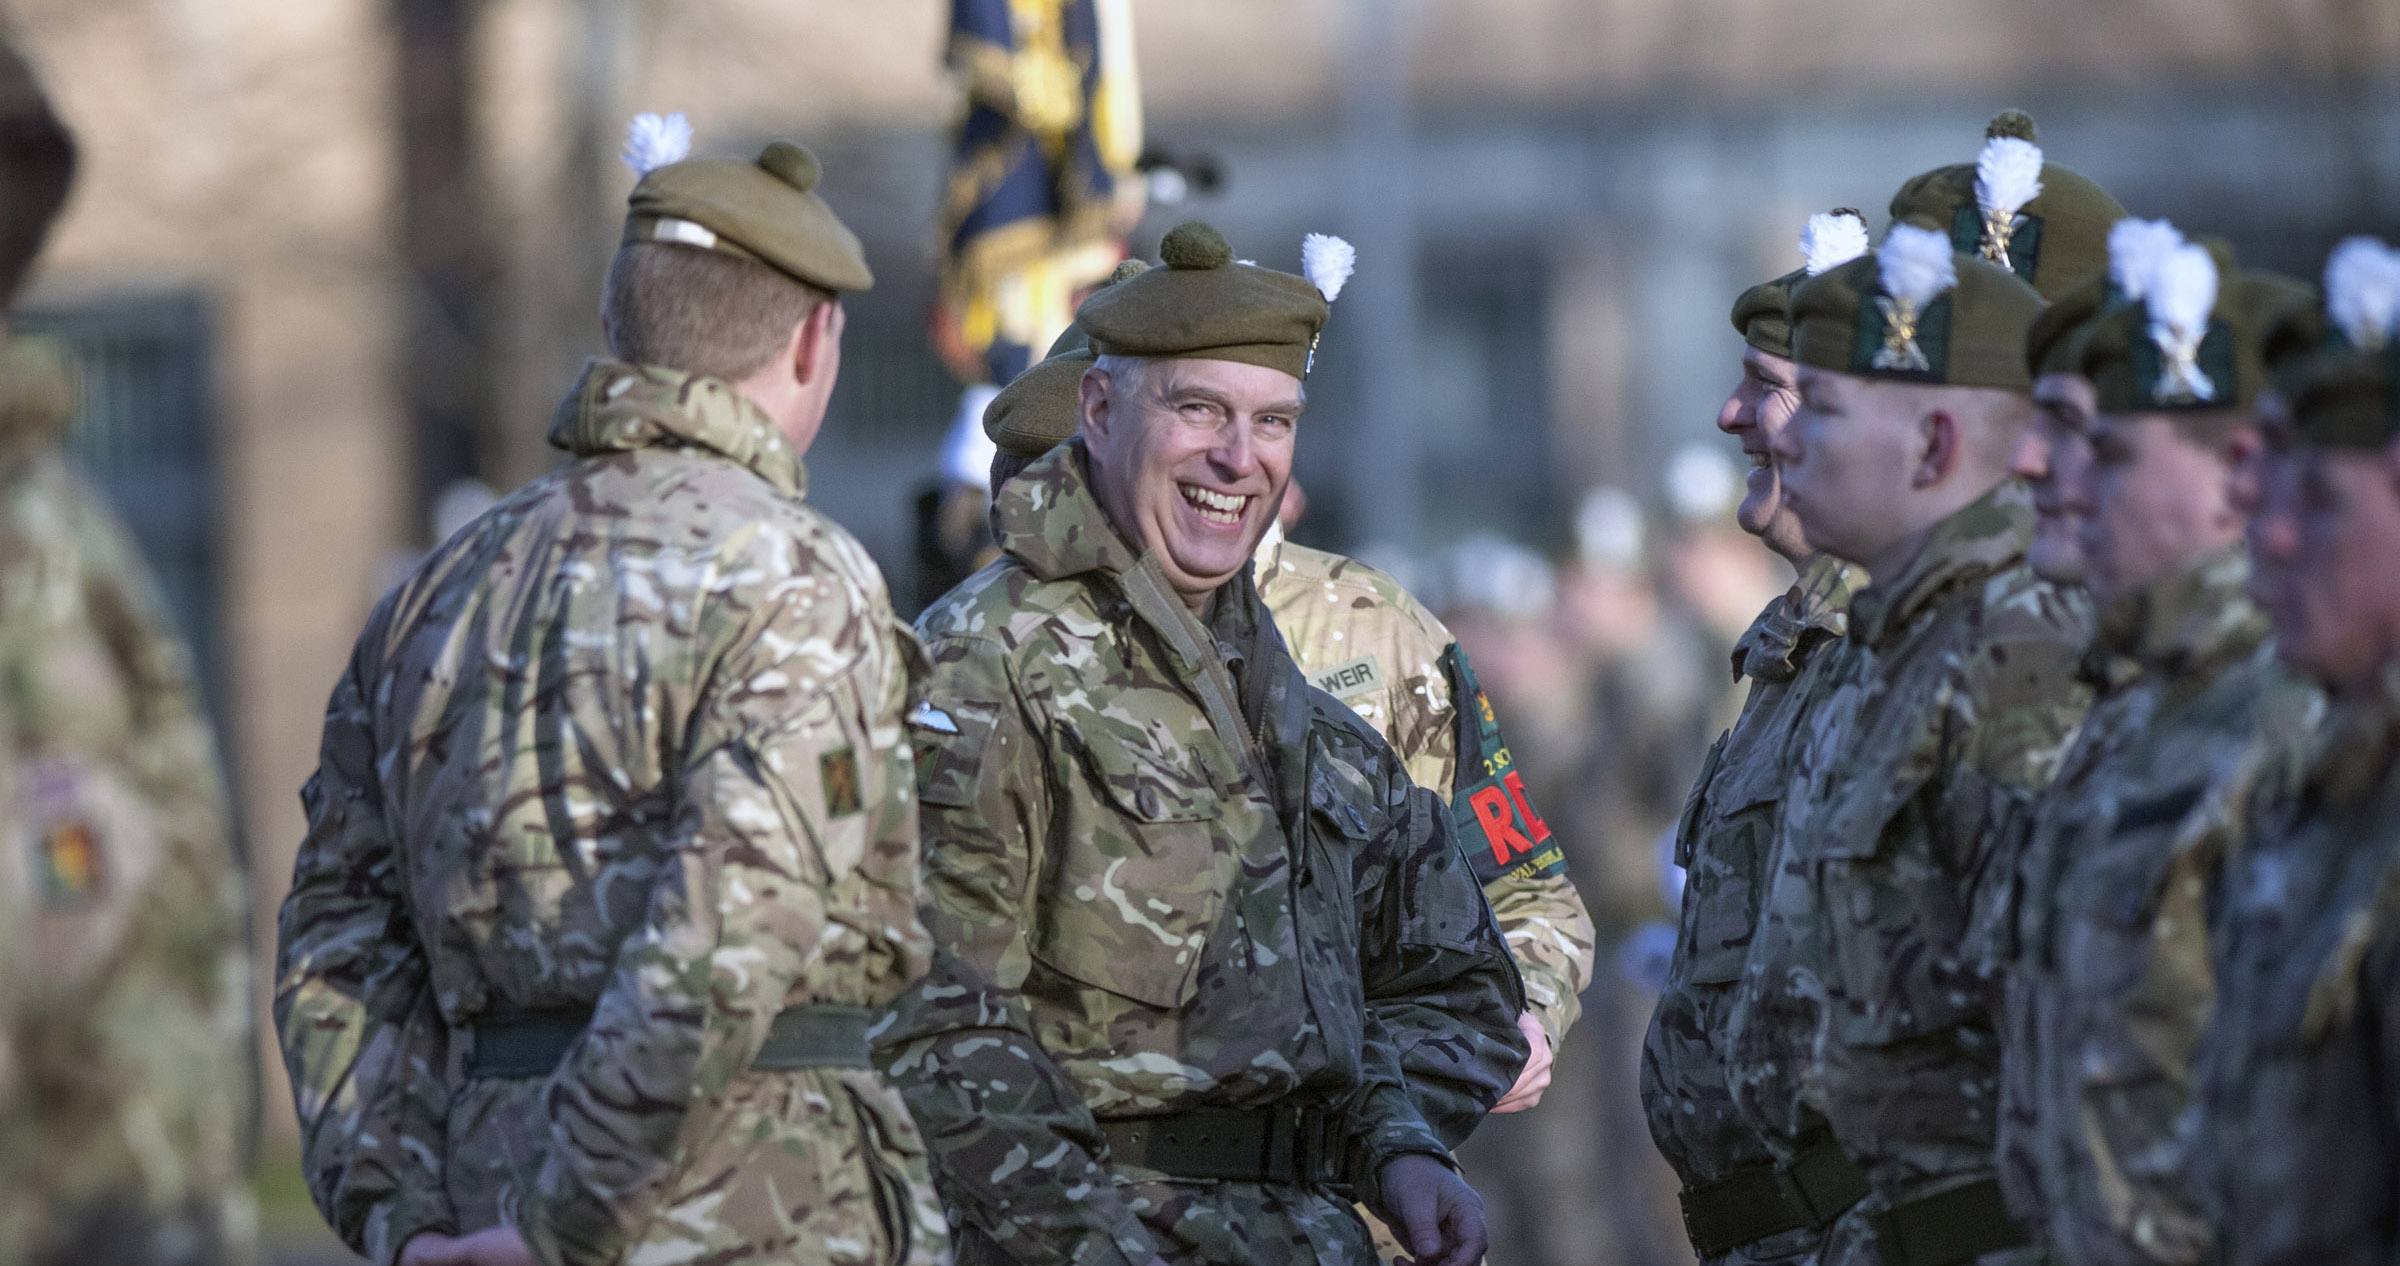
pixel 1990 533
pixel 1049 518
pixel 2189 620
pixel 620 408
pixel 1816 609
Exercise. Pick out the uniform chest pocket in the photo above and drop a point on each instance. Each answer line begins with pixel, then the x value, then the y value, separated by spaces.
pixel 1895 918
pixel 1724 882
pixel 1137 870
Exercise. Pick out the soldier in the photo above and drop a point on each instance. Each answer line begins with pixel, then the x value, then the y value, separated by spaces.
pixel 1746 1198
pixel 2108 973
pixel 612 849
pixel 1365 640
pixel 1190 916
pixel 2295 1088
pixel 136 1038
pixel 1939 716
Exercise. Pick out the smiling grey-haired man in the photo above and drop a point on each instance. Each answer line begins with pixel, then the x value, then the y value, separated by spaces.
pixel 1189 913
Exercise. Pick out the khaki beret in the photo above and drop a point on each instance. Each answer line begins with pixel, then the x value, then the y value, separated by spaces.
pixel 2055 343
pixel 1204 306
pixel 766 211
pixel 2128 367
pixel 2342 397
pixel 1970 333
pixel 1762 314
pixel 2055 242
pixel 1041 408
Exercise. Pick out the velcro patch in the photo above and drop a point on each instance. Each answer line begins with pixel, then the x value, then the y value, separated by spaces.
pixel 1348 681
pixel 838 773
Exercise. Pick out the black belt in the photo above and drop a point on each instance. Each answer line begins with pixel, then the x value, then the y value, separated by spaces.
pixel 1300 1146
pixel 1751 1204
pixel 531 1044
pixel 1948 1228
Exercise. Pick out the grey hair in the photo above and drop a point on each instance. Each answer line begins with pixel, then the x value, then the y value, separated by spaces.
pixel 1125 373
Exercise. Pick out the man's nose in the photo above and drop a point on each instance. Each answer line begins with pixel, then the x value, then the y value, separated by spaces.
pixel 2031 457
pixel 1235 453
pixel 1736 414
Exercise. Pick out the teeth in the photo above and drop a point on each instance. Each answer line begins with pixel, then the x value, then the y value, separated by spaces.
pixel 1216 507
pixel 1759 461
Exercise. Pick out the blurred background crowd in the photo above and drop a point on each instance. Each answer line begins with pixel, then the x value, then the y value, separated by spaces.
pixel 328 266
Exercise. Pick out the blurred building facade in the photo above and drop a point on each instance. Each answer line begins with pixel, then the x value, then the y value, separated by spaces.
pixel 326 255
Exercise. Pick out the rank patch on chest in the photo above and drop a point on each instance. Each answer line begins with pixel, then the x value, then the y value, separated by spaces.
pixel 838 771
pixel 1348 681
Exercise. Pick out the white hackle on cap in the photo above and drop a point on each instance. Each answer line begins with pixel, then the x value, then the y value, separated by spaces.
pixel 2362 291
pixel 2135 250
pixel 2008 174
pixel 652 142
pixel 1830 240
pixel 2182 290
pixel 1327 261
pixel 1916 264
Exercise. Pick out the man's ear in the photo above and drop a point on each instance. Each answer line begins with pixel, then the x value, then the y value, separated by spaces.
pixel 812 341
pixel 1092 399
pixel 1938 442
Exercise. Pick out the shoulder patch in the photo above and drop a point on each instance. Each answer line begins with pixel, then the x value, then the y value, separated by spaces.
pixel 1502 834
pixel 925 716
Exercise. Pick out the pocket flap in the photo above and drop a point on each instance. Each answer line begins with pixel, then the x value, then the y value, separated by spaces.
pixel 1143 783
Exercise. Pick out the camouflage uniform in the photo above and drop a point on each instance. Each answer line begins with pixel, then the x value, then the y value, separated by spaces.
pixel 625 750
pixel 2108 981
pixel 2298 1079
pixel 1366 641
pixel 1935 722
pixel 1724 844
pixel 136 1040
pixel 1166 876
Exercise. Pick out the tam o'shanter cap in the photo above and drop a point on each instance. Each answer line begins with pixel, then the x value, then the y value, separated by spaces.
pixel 2186 329
pixel 1761 314
pixel 1205 305
pixel 2046 223
pixel 1042 407
pixel 2346 392
pixel 767 210
pixel 1916 311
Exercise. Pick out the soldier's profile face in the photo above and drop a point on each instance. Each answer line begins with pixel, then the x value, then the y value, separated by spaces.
pixel 1845 460
pixel 2337 613
pixel 2054 457
pixel 2159 503
pixel 1191 463
pixel 1760 407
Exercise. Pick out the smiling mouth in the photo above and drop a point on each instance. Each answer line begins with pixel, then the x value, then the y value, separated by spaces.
pixel 1759 458
pixel 1216 507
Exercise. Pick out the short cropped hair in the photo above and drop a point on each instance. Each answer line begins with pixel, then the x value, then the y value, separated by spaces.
pixel 701 311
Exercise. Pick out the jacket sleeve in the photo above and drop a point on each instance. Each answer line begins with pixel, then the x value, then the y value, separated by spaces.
pixel 1437 971
pixel 361 1039
pixel 1515 856
pixel 1017 1153
pixel 734 916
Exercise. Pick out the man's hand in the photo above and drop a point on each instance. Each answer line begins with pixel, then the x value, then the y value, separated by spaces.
pixel 1536 1077
pixel 1437 1214
pixel 492 1246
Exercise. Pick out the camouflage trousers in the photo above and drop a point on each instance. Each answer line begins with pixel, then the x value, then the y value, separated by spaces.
pixel 816 1166
pixel 1229 1224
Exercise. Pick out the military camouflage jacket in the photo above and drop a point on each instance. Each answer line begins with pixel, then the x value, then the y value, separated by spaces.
pixel 1165 874
pixel 1941 715
pixel 136 1041
pixel 1366 641
pixel 2108 980
pixel 2298 1083
pixel 1724 844
pixel 627 747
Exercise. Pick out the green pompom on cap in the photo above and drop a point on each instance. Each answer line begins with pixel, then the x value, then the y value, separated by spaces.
pixel 792 164
pixel 2014 123
pixel 1193 247
pixel 1129 269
